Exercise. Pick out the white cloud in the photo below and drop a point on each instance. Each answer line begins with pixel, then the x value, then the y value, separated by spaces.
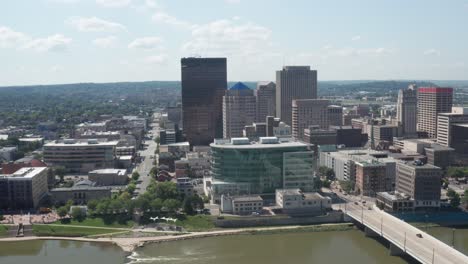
pixel 356 38
pixel 146 43
pixel 55 42
pixel 157 59
pixel 432 52
pixel 113 3
pixel 151 4
pixel 94 24
pixel 161 17
pixel 229 37
pixel 105 42
pixel 233 1
pixel 10 38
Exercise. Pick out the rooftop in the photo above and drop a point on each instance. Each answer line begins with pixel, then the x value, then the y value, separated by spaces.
pixel 80 143
pixel 240 86
pixel 110 171
pixel 247 198
pixel 25 173
pixel 242 143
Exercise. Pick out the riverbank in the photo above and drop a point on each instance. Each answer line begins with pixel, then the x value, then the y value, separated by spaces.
pixel 129 244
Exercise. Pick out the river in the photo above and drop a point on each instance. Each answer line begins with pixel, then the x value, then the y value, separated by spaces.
pixel 306 247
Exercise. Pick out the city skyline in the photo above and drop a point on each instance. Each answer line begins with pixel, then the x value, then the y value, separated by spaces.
pixel 140 40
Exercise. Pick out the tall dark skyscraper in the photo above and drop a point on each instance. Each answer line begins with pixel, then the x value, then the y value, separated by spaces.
pixel 204 82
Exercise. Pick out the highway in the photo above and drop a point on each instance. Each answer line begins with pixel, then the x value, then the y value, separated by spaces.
pixel 425 249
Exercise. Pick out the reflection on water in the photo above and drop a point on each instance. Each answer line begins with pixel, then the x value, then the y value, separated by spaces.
pixel 61 251
pixel 314 247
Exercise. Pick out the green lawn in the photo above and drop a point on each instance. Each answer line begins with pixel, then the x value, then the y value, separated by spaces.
pixel 67 231
pixel 100 222
pixel 196 223
pixel 3 230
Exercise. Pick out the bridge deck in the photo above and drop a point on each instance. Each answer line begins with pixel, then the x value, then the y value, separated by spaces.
pixel 426 249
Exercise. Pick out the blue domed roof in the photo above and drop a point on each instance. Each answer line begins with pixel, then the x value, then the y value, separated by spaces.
pixel 239 86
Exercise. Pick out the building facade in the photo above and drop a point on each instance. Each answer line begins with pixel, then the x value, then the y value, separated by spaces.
pixel 335 115
pixel 431 102
pixel 259 165
pixel 24 189
pixel 452 131
pixel 266 100
pixel 204 82
pixel 309 112
pixel 293 82
pixel 407 110
pixel 371 177
pixel 80 156
pixel 421 182
pixel 239 110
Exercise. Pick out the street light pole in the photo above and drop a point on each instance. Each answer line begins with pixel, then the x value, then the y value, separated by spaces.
pixel 381 226
pixel 453 237
pixel 404 243
pixel 433 255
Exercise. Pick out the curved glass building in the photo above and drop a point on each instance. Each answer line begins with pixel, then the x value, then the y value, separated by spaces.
pixel 260 167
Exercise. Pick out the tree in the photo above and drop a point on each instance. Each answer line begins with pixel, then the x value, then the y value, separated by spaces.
pixel 92 204
pixel 60 172
pixel 454 198
pixel 131 188
pixel 62 211
pixel 77 214
pixel 156 204
pixel 166 190
pixel 171 205
pixel 191 203
pixel 135 176
pixel 157 140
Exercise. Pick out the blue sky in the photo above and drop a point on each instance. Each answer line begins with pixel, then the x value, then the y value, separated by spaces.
pixel 67 41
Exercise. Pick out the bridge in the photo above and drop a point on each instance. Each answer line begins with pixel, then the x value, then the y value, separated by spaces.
pixel 403 237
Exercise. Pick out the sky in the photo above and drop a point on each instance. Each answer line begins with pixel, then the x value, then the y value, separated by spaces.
pixel 70 41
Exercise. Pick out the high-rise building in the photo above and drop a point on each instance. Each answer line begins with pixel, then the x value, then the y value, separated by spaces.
pixel 204 82
pixel 371 177
pixel 452 131
pixel 260 167
pixel 335 115
pixel 293 82
pixel 431 102
pixel 23 189
pixel 407 110
pixel 239 110
pixel 420 182
pixel 266 100
pixel 309 112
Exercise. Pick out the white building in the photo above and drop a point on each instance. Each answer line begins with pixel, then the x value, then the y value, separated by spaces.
pixel 296 201
pixel 241 205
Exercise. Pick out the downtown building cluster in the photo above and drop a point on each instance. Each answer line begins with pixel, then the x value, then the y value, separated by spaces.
pixel 394 155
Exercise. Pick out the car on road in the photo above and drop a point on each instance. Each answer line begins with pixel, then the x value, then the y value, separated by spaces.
pixel 356 203
pixel 419 235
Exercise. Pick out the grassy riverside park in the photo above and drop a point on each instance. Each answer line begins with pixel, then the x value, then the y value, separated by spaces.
pixel 3 230
pixel 69 231
pixel 97 222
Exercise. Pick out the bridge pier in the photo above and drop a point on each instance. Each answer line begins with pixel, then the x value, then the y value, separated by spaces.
pixel 370 233
pixel 395 250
